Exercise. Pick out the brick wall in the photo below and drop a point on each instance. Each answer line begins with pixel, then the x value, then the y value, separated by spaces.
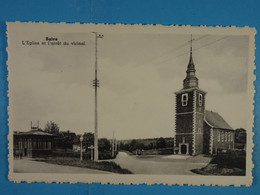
pixel 184 123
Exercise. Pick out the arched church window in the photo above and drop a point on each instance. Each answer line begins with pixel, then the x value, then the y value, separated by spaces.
pixel 184 99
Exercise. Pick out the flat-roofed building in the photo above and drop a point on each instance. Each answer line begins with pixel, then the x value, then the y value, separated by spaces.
pixel 34 143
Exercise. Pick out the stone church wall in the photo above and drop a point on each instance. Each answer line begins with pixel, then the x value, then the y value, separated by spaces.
pixel 223 139
pixel 184 123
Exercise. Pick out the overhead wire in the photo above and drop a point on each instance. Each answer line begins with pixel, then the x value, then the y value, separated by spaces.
pixel 169 51
pixel 172 57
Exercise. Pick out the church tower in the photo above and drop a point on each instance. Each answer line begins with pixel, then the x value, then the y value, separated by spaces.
pixel 189 116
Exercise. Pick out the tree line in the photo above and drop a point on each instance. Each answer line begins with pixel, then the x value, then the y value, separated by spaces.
pixel 66 139
pixel 146 144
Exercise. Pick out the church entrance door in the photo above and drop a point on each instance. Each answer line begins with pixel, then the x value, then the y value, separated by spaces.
pixel 183 149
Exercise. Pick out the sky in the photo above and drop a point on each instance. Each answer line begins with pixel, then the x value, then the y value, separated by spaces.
pixel 138 73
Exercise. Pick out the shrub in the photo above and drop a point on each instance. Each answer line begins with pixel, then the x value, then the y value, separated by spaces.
pixel 102 155
pixel 231 159
pixel 103 165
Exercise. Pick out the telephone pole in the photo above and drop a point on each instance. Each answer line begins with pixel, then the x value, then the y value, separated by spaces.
pixel 113 144
pixel 96 85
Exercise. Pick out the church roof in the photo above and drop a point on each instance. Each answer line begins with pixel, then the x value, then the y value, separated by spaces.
pixel 190 89
pixel 215 120
pixel 34 132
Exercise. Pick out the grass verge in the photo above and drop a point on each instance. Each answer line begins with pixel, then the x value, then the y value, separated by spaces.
pixel 214 169
pixel 102 165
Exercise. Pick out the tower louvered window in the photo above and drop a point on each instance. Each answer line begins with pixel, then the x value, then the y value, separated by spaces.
pixel 200 99
pixel 184 99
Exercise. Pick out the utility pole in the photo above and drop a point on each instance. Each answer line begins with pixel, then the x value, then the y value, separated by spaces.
pixel 113 144
pixel 91 152
pixel 81 139
pixel 96 85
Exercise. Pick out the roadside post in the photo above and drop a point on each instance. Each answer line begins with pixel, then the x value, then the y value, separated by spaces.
pixel 81 139
pixel 91 152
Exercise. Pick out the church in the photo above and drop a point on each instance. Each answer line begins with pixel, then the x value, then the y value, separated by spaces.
pixel 197 130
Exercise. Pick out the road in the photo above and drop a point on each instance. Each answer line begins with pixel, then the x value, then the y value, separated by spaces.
pixel 29 166
pixel 160 165
pixel 157 164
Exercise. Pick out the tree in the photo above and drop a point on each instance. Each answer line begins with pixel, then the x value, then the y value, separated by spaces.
pixel 104 144
pixel 88 139
pixel 65 140
pixel 160 143
pixel 123 146
pixel 140 146
pixel 133 145
pixel 240 138
pixel 52 127
pixel 150 146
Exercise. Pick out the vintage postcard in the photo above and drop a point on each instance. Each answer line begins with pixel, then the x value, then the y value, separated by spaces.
pixel 131 104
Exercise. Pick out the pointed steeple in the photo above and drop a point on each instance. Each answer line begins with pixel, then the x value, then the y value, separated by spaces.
pixel 191 80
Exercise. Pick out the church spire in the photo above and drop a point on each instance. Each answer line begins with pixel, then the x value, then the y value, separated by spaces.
pixel 191 60
pixel 191 80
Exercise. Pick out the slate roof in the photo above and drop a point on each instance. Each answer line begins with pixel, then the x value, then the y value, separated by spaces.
pixel 215 120
pixel 34 132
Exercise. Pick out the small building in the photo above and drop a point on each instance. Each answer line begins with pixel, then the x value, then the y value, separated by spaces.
pixel 34 143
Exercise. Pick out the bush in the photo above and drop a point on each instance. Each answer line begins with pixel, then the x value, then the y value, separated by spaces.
pixel 231 159
pixel 103 165
pixel 85 155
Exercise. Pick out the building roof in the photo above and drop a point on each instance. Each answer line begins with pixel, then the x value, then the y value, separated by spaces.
pixel 34 132
pixel 215 120
pixel 190 89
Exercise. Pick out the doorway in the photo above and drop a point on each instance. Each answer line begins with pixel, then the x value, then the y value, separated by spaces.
pixel 183 149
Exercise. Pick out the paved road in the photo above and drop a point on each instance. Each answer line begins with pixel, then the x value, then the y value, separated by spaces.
pixel 137 164
pixel 29 166
pixel 160 164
